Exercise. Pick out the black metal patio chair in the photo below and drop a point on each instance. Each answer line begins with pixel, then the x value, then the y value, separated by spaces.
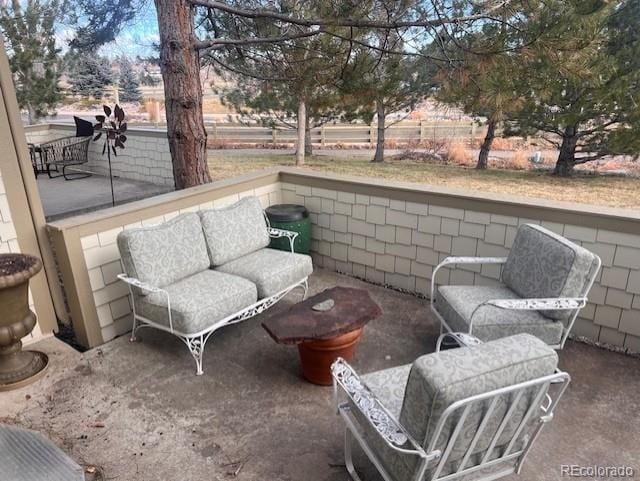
pixel 66 152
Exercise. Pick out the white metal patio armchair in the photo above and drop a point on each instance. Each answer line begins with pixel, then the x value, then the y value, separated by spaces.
pixel 462 414
pixel 545 281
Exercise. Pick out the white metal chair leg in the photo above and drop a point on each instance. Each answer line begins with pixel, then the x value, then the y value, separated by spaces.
pixel 196 348
pixel 134 328
pixel 348 458
pixel 305 288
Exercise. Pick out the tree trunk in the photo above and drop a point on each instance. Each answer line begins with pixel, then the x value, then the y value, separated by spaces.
pixel 180 66
pixel 302 121
pixel 379 155
pixel 308 145
pixel 483 158
pixel 567 156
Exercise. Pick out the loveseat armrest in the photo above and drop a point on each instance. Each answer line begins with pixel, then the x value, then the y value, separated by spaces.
pixel 146 288
pixel 372 408
pixel 132 281
pixel 276 233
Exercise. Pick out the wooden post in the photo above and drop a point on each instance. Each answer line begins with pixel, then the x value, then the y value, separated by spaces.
pixel 322 136
pixel 274 136
pixel 214 131
pixel 423 132
pixel 373 134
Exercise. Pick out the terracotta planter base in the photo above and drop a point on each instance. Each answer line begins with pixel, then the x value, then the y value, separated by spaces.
pixel 316 357
pixel 33 366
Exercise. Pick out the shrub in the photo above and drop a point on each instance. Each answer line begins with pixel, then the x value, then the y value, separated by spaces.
pixel 458 154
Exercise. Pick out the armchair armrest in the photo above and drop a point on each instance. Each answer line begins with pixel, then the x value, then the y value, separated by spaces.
pixel 462 260
pixel 384 423
pixel 276 233
pixel 540 304
pixel 146 289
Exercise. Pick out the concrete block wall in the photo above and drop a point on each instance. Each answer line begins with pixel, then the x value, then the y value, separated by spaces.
pixel 103 263
pixel 398 243
pixel 146 156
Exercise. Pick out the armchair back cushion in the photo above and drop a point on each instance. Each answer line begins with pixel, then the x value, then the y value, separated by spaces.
pixel 543 264
pixel 438 380
pixel 234 231
pixel 163 254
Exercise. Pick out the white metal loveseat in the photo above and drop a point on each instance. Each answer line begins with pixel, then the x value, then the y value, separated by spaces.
pixel 202 271
pixel 463 414
pixel 545 281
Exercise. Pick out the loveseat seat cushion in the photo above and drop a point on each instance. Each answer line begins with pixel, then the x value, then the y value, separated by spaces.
pixel 234 231
pixel 457 304
pixel 542 264
pixel 163 254
pixel 270 270
pixel 438 380
pixel 198 301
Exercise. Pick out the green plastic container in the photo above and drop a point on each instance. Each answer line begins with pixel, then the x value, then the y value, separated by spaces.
pixel 294 218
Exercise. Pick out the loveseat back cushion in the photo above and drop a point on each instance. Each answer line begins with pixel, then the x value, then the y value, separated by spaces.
pixel 234 231
pixel 163 254
pixel 438 380
pixel 542 264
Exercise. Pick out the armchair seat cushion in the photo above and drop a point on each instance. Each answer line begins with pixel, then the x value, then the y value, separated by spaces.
pixel 457 304
pixel 198 301
pixel 270 270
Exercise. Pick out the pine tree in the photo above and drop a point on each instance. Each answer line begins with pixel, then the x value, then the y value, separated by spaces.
pixel 89 75
pixel 30 39
pixel 129 86
pixel 582 93
pixel 378 84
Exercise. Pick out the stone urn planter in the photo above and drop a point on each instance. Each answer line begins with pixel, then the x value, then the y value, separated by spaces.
pixel 17 367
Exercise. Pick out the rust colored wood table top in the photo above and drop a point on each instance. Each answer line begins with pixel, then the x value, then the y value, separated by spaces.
pixel 353 309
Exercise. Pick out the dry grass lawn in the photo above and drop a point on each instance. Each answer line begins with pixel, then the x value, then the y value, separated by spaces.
pixel 593 189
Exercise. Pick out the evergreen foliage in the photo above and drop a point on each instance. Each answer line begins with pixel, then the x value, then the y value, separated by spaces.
pixel 30 40
pixel 89 75
pixel 128 84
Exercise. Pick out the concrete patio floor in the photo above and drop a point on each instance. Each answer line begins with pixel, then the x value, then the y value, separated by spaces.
pixel 139 413
pixel 64 198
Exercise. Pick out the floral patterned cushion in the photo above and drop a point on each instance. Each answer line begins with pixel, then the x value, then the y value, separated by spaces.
pixel 234 231
pixel 438 380
pixel 198 301
pixel 388 385
pixel 456 304
pixel 543 264
pixel 270 269
pixel 163 254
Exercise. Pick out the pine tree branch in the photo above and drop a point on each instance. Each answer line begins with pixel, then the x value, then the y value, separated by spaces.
pixel 358 23
pixel 218 43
